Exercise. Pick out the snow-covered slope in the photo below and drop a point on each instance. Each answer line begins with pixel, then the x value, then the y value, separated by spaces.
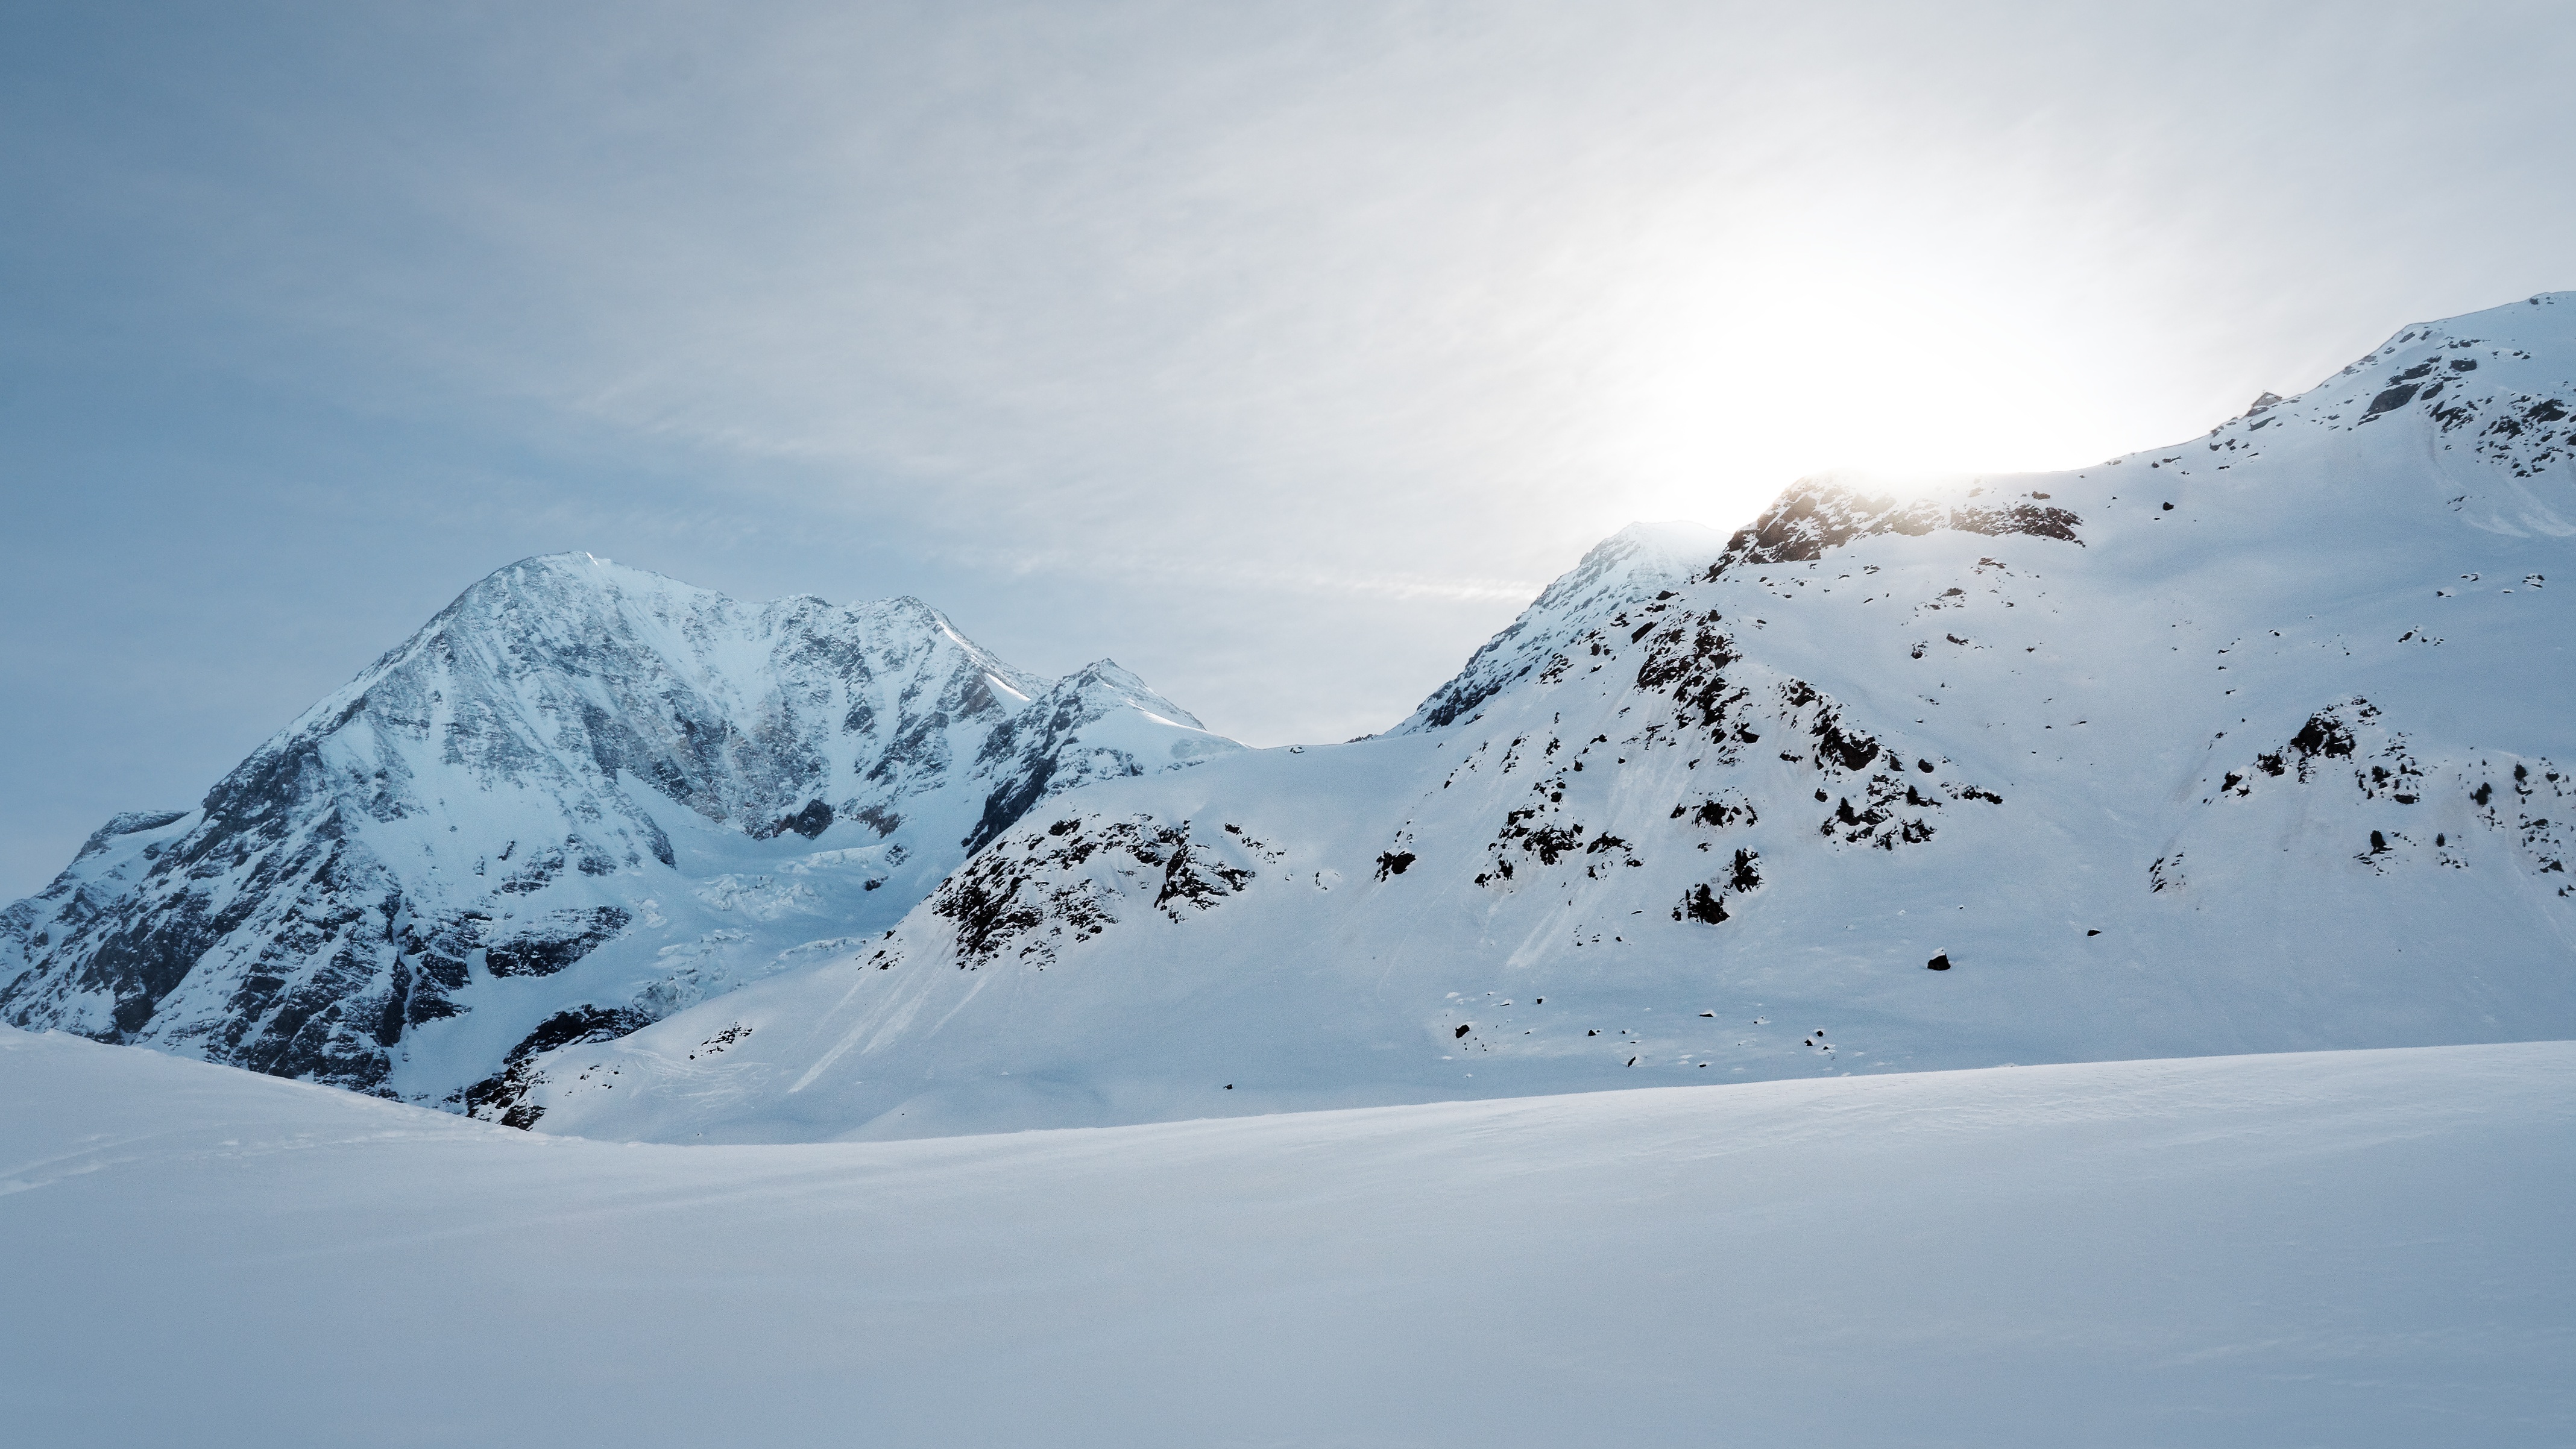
pixel 2350 1248
pixel 2260 742
pixel 581 797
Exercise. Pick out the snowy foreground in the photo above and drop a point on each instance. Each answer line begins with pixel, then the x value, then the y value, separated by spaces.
pixel 2365 1247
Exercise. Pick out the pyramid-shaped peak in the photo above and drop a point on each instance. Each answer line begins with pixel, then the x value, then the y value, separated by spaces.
pixel 578 566
pixel 565 576
pixel 1675 545
pixel 1112 674
pixel 1107 681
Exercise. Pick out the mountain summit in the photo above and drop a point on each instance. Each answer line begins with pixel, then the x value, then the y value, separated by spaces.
pixel 579 798
pixel 2254 743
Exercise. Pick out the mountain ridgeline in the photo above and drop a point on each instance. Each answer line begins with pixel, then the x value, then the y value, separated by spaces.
pixel 2258 742
pixel 579 798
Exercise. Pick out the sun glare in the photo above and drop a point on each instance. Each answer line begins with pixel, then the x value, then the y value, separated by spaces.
pixel 1908 355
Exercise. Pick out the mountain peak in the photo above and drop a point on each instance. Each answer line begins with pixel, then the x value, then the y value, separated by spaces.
pixel 577 567
pixel 1107 677
pixel 1672 541
pixel 1636 562
pixel 632 790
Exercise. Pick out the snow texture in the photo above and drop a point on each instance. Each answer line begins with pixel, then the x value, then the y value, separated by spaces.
pixel 582 797
pixel 2262 742
pixel 2357 1248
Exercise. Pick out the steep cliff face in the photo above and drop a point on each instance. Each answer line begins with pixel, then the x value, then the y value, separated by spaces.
pixel 581 797
pixel 2258 742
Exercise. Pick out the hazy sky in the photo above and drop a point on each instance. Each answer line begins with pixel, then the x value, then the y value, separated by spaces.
pixel 1278 351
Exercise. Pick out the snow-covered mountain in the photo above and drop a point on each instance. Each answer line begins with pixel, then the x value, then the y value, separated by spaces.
pixel 581 797
pixel 2254 743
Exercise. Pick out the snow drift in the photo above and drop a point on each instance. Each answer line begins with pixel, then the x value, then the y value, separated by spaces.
pixel 2352 1248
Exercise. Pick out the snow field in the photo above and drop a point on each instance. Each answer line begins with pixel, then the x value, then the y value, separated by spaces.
pixel 2342 1248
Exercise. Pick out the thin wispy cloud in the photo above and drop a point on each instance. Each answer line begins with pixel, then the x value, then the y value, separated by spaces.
pixel 1154 571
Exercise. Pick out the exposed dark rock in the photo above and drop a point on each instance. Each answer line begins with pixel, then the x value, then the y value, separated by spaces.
pixel 2323 734
pixel 554 941
pixel 1746 875
pixel 504 1097
pixel 1815 516
pixel 809 822
pixel 1004 807
pixel 1702 904
pixel 2391 400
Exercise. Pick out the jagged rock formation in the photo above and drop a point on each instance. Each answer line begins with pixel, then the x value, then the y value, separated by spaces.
pixel 2260 742
pixel 581 797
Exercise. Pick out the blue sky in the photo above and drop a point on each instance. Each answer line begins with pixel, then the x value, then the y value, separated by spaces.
pixel 1278 351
